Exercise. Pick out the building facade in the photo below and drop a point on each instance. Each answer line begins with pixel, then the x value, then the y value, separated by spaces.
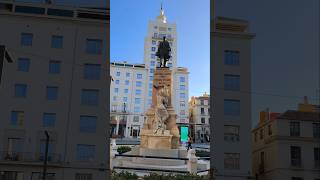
pixel 286 145
pixel 128 99
pixel 57 83
pixel 231 118
pixel 199 115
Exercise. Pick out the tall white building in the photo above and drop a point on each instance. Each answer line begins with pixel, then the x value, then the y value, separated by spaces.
pixel 128 93
pixel 157 29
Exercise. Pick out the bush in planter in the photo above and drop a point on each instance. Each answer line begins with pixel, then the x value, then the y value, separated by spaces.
pixel 123 149
pixel 123 175
pixel 201 153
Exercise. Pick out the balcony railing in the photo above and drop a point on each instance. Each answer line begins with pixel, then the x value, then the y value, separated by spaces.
pixel 317 164
pixel 261 168
pixel 28 157
pixel 296 163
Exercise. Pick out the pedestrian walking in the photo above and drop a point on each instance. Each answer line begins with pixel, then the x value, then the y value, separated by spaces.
pixel 189 143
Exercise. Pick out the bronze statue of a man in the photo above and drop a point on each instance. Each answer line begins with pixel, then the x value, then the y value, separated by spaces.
pixel 163 52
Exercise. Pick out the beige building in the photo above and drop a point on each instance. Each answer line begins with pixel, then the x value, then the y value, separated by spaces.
pixel 58 83
pixel 231 118
pixel 199 108
pixel 286 145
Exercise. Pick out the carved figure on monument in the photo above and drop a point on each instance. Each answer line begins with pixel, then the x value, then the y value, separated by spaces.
pixel 161 112
pixel 163 52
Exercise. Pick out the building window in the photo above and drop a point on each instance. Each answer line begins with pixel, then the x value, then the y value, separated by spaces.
pixel 52 93
pixel 255 136
pixel 135 118
pixel 116 90
pixel 182 112
pixel 182 79
pixel 154 42
pixel 137 100
pixel 231 160
pixel 57 42
pixel 231 107
pixel 202 111
pixel 54 67
pixel 182 104
pixel 90 97
pixel 153 56
pixel 83 176
pixel 231 82
pixel 151 70
pixel 26 39
pixel 203 120
pixel 126 91
pixel 169 64
pixel 151 78
pixel 316 152
pixel 38 176
pixel 114 98
pixel 231 133
pixel 153 49
pixel 48 119
pixel 155 35
pixel 88 124
pixel 117 81
pixel 23 64
pixel 182 87
pixel 136 109
pixel 295 153
pixel 85 152
pixel 94 46
pixel 20 90
pixel 138 83
pixel 152 63
pixel 231 57
pixel 202 102
pixel 297 178
pixel 316 130
pixel 169 29
pixel 127 74
pixel 125 99
pixel 182 95
pixel 118 73
pixel 139 76
pixel 138 92
pixel 17 118
pixel 92 71
pixel 127 82
pixel 269 129
pixel 294 128
pixel 261 133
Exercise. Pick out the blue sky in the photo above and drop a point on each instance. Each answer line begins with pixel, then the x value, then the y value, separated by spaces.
pixel 129 22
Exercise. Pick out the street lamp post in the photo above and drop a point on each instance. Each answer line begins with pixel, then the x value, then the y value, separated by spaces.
pixel 45 163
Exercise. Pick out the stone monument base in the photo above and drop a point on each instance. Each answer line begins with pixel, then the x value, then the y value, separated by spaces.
pixel 151 140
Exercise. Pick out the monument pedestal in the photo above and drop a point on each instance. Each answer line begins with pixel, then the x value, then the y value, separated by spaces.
pixel 156 141
pixel 170 138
